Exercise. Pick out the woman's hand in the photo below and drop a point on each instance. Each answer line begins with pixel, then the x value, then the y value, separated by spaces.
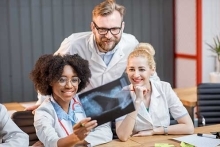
pixel 144 133
pixel 140 92
pixel 82 129
pixel 32 108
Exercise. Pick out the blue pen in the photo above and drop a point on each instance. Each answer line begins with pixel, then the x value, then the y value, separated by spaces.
pixel 207 135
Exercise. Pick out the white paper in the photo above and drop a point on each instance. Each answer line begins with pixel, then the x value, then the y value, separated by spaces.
pixel 199 141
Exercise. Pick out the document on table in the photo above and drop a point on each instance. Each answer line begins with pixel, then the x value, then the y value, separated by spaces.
pixel 199 141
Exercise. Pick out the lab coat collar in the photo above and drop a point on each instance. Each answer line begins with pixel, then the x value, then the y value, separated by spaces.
pixel 153 104
pixel 95 56
pixel 155 95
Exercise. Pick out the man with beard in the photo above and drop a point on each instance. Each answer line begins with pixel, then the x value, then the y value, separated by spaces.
pixel 106 47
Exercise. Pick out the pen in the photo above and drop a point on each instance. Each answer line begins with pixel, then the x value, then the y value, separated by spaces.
pixel 207 135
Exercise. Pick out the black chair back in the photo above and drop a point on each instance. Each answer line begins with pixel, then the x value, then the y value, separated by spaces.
pixel 25 121
pixel 208 103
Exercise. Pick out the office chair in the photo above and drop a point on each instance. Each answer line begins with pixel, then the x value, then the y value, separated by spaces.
pixel 208 103
pixel 25 120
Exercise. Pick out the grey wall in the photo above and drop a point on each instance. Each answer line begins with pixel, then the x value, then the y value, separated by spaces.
pixel 30 28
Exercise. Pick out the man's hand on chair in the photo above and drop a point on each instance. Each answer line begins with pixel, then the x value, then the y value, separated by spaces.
pixel 32 108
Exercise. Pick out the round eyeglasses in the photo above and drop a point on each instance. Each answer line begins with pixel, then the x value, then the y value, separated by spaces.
pixel 74 81
pixel 104 31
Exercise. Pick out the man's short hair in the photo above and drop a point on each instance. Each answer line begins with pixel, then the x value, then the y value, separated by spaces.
pixel 106 8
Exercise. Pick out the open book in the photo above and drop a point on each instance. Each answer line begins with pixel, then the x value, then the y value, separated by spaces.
pixel 108 102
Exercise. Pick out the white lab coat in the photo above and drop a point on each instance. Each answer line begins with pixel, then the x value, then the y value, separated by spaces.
pixel 163 101
pixel 49 130
pixel 84 45
pixel 10 134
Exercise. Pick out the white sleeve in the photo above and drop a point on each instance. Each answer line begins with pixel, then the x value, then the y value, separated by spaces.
pixel 44 125
pixel 176 107
pixel 41 98
pixel 10 133
pixel 64 47
pixel 101 134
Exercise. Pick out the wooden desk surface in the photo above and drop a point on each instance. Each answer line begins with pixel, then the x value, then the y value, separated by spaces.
pixel 188 96
pixel 13 106
pixel 118 143
pixel 18 106
pixel 150 141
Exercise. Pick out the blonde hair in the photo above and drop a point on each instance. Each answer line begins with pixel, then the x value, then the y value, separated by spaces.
pixel 108 7
pixel 145 50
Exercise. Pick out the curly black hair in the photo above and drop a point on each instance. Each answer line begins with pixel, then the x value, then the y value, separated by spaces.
pixel 49 68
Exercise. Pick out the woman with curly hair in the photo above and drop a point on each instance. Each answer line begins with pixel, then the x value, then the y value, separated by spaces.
pixel 60 119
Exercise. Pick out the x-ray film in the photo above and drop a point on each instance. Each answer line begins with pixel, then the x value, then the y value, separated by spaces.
pixel 108 102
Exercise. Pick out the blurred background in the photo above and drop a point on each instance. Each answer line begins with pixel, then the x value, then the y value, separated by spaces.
pixel 177 29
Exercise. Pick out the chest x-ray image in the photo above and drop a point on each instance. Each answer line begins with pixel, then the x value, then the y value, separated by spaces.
pixel 107 102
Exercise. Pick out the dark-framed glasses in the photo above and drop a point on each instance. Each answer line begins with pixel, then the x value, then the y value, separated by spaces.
pixel 74 81
pixel 104 31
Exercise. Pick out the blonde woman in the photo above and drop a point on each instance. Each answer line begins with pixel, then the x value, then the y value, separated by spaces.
pixel 154 100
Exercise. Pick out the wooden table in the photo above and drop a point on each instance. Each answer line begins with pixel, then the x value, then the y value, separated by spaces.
pixel 13 106
pixel 150 141
pixel 118 143
pixel 18 106
pixel 188 96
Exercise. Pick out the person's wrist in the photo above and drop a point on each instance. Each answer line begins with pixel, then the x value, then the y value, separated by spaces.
pixel 87 144
pixel 138 101
pixel 165 130
pixel 158 130
pixel 83 143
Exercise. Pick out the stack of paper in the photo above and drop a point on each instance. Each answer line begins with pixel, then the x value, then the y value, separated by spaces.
pixel 199 141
